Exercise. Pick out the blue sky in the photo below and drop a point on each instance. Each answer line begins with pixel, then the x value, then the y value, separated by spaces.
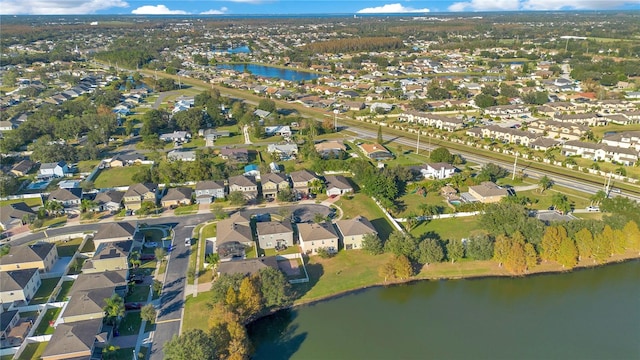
pixel 240 7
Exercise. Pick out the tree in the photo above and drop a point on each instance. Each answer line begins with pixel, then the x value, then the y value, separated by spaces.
pixel 193 344
pixel 160 253
pixel 134 259
pixel 501 249
pixel 484 101
pixel 619 244
pixel 402 244
pixel 633 235
pixel 561 202
pixel 372 244
pixel 455 250
pixel 285 195
pixel 441 154
pixel 551 240
pixel 275 288
pixel 379 138
pixel 598 197
pixel 430 251
pixel 157 286
pixel 480 247
pixel 545 183
pixel 530 256
pixel 110 352
pixel 515 261
pixel 249 298
pixel 585 243
pixel 114 310
pixel 236 198
pixel 267 105
pixel 568 253
pixel 148 313
pixel 491 172
pixel 398 267
pixel 190 120
pixel 317 187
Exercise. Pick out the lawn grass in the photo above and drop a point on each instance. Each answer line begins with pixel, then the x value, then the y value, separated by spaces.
pixel 589 215
pixel 123 354
pixel 87 165
pixel 64 290
pixel 140 293
pixel 44 291
pixel 363 205
pixel 43 327
pixel 33 351
pixel 272 252
pixel 196 311
pixel 130 324
pixel 193 258
pixel 118 176
pixel 89 246
pixel 189 209
pixel 579 199
pixel 68 248
pixel 153 235
pixel 453 228
pixel 412 202
pixel 209 231
pixel 163 267
pixel 31 202
pixel 55 222
pixel 599 131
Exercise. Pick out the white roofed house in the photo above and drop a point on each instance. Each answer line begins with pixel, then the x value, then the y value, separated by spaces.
pixel 53 170
pixel 181 155
pixel 438 171
pixel 626 139
pixel 353 230
pixel 514 136
pixel 603 152
pixel 280 130
pixel 176 136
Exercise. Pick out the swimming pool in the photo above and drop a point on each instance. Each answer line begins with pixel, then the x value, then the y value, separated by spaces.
pixel 38 185
pixel 455 202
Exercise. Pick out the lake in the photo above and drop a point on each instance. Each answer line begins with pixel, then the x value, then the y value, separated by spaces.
pixel 586 314
pixel 272 72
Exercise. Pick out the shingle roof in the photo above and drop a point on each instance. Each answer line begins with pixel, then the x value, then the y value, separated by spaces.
pixel 242 180
pixel 302 176
pixel 66 194
pixel 113 250
pixel 12 212
pixel 140 189
pixel 273 177
pixel 114 230
pixel 88 302
pixel 109 196
pixel 273 227
pixel 99 280
pixel 208 184
pixel 356 226
pixel 337 181
pixel 73 338
pixel 29 253
pixel 228 230
pixel 314 232
pixel 247 266
pixel 180 193
pixel 16 280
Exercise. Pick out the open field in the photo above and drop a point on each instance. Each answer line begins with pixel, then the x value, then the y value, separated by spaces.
pixel 455 228
pixel 119 176
pixel 196 311
pixel 363 205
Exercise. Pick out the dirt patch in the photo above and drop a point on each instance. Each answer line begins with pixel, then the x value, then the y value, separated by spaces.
pixel 289 267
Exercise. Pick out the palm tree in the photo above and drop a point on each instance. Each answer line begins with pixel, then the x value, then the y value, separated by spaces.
pixel 87 205
pixel 134 259
pixel 597 198
pixel 545 183
pixel 114 310
pixel 53 207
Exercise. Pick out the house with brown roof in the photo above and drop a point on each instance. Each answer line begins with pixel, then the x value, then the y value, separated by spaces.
pixel 315 236
pixel 22 168
pixel 488 192
pixel 109 256
pixel 376 152
pixel 19 285
pixel 337 185
pixel 353 230
pixel 177 196
pixel 272 183
pixel 76 340
pixel 13 215
pixel 41 256
pixel 139 193
pixel 207 191
pixel 69 198
pixel 110 200
pixel 233 235
pixel 247 185
pixel 302 181
pixel 87 305
pixel 112 232
pixel 330 149
pixel 116 279
pixel 247 266
pixel 274 234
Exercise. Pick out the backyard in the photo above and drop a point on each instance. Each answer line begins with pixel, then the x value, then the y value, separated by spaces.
pixel 33 351
pixel 68 248
pixel 118 176
pixel 44 291
pixel 44 327
pixel 360 204
pixel 32 202
pixel 64 291
pixel 453 228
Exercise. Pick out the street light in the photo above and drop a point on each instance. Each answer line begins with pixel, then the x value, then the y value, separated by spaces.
pixel 335 119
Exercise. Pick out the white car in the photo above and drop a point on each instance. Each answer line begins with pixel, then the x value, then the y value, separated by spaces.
pixel 187 241
pixel 593 208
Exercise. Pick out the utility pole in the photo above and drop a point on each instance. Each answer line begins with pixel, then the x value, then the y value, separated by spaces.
pixel 335 120
pixel 515 163
pixel 418 142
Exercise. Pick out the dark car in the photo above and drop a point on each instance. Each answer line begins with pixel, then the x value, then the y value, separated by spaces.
pixel 146 257
pixel 132 306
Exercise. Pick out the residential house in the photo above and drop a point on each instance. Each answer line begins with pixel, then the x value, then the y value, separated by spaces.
pixel 272 183
pixel 274 235
pixel 207 191
pixel 235 155
pixel 589 119
pixel 19 285
pixel 181 155
pixel 433 120
pixel 115 231
pixel 211 135
pixel 279 130
pixel 625 139
pixel 247 266
pixel 109 256
pixel 176 136
pixel 507 111
pixel 302 180
pixel 87 305
pixel 438 171
pixel 315 236
pixel 337 185
pixel 53 170
pixel 233 235
pixel 22 168
pixel 262 114
pixel 330 149
pixel 114 279
pixel 10 329
pixel 126 160
pixel 603 152
pixel 69 198
pixel 41 256
pixel 504 134
pixel 283 151
pixel 76 340
pixel 177 196
pixel 488 192
pixel 139 193
pixel 14 215
pixel 110 200
pixel 352 231
pixel 245 184
pixel 544 144
pixel 558 130
pixel 376 152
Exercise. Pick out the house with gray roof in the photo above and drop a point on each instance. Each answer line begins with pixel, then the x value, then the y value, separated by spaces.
pixel 87 305
pixel 247 266
pixel 247 185
pixel 13 214
pixel 110 200
pixel 112 232
pixel 109 256
pixel 274 234
pixel 41 256
pixel 76 340
pixel 181 155
pixel 302 180
pixel 22 168
pixel 352 231
pixel 19 285
pixel 337 185
pixel 69 198
pixel 207 191
pixel 177 196
pixel 116 279
pixel 315 236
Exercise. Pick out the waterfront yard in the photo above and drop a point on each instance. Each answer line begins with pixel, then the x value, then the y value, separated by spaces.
pixel 118 176
pixel 453 228
pixel 196 311
pixel 361 204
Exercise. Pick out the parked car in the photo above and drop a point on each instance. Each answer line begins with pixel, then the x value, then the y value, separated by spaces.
pixel 146 257
pixel 150 244
pixel 132 306
pixel 593 208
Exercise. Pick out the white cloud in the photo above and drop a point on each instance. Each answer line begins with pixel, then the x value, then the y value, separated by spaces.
pixel 222 10
pixel 390 9
pixel 157 10
pixel 485 5
pixel 47 7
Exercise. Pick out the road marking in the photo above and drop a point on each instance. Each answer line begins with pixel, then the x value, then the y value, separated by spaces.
pixel 190 226
pixel 166 321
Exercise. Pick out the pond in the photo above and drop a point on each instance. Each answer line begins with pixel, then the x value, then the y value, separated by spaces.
pixel 272 72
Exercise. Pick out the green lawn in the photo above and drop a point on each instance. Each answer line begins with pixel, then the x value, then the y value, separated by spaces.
pixel 196 311
pixel 64 290
pixel 363 205
pixel 455 228
pixel 33 351
pixel 68 248
pixel 579 199
pixel 412 202
pixel 89 246
pixel 124 354
pixel 55 222
pixel 153 235
pixel 599 131
pixel 189 209
pixel 272 252
pixel 140 293
pixel 46 288
pixel 130 324
pixel 32 202
pixel 43 327
pixel 209 231
pixel 118 176
pixel 87 165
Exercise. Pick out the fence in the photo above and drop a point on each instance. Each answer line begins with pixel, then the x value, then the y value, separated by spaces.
pixel 442 216
pixel 304 268
pixel 22 196
pixel 391 219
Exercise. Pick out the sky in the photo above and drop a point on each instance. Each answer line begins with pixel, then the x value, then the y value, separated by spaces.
pixel 245 7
